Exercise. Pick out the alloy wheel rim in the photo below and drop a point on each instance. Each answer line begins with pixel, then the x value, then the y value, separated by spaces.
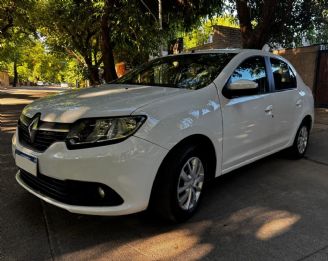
pixel 190 183
pixel 302 140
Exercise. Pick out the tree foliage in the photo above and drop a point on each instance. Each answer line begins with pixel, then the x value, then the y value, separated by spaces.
pixel 27 59
pixel 317 31
pixel 13 14
pixel 59 40
pixel 71 27
pixel 277 22
pixel 97 32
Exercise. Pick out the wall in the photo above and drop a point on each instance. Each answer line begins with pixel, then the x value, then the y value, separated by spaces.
pixel 226 37
pixel 223 37
pixel 4 79
pixel 304 60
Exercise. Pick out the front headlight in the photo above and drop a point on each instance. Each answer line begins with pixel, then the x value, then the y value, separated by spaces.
pixel 102 131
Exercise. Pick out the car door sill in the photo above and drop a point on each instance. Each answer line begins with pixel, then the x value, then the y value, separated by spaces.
pixel 227 170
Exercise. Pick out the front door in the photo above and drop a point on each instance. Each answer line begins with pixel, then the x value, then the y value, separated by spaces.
pixel 247 117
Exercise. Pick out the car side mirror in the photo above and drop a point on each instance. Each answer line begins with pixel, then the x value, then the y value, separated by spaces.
pixel 243 85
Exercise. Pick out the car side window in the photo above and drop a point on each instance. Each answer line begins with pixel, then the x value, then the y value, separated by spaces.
pixel 252 69
pixel 284 77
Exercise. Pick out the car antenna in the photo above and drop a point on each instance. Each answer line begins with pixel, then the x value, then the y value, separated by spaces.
pixel 266 48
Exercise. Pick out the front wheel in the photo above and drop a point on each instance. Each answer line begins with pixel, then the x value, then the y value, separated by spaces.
pixel 190 183
pixel 301 141
pixel 181 184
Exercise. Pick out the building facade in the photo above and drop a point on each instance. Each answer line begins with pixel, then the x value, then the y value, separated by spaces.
pixel 223 37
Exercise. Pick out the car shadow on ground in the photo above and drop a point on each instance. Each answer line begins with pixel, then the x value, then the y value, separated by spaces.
pixel 256 211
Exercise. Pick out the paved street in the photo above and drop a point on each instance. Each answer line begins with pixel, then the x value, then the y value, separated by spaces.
pixel 275 209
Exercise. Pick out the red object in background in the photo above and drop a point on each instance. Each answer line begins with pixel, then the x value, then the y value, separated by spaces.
pixel 120 69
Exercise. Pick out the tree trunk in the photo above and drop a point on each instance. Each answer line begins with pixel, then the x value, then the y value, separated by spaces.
pixel 255 38
pixel 93 73
pixel 15 74
pixel 106 46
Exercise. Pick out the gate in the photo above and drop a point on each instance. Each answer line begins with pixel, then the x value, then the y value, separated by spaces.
pixel 321 90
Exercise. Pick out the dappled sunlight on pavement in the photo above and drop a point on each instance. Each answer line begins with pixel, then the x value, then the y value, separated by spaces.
pixel 184 242
pixel 32 93
pixel 263 223
pixel 276 226
pixel 201 238
pixel 12 102
pixel 177 244
pixel 190 240
pixel 8 122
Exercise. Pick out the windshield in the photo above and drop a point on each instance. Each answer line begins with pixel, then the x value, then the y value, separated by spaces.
pixel 190 71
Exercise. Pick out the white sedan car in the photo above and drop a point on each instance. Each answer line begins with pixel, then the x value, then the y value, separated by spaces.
pixel 155 137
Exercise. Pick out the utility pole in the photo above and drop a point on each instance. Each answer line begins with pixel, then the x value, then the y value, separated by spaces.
pixel 160 22
pixel 160 19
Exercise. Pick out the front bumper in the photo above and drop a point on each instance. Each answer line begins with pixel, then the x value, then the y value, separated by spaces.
pixel 129 168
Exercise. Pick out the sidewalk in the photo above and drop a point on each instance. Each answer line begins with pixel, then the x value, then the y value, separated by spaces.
pixel 37 88
pixel 321 116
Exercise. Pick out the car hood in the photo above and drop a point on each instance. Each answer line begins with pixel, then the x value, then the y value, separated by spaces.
pixel 102 101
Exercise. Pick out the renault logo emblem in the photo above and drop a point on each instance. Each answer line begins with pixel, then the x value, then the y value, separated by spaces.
pixel 33 127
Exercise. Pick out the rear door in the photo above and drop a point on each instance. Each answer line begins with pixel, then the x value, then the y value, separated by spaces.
pixel 247 116
pixel 287 101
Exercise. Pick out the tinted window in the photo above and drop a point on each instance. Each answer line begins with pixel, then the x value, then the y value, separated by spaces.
pixel 191 71
pixel 284 77
pixel 252 69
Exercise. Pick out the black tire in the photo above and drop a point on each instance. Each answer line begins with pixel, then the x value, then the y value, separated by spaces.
pixel 297 151
pixel 164 201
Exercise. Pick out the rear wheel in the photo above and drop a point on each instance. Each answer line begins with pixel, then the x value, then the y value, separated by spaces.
pixel 301 142
pixel 180 186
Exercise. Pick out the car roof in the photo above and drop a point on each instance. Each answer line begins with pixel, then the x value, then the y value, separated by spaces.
pixel 233 51
pixel 249 52
pixel 227 50
pixel 239 50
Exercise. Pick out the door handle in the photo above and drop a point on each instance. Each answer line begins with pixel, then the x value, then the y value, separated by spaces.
pixel 268 109
pixel 299 103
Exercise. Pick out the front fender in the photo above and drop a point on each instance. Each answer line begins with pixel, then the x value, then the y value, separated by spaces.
pixel 175 118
